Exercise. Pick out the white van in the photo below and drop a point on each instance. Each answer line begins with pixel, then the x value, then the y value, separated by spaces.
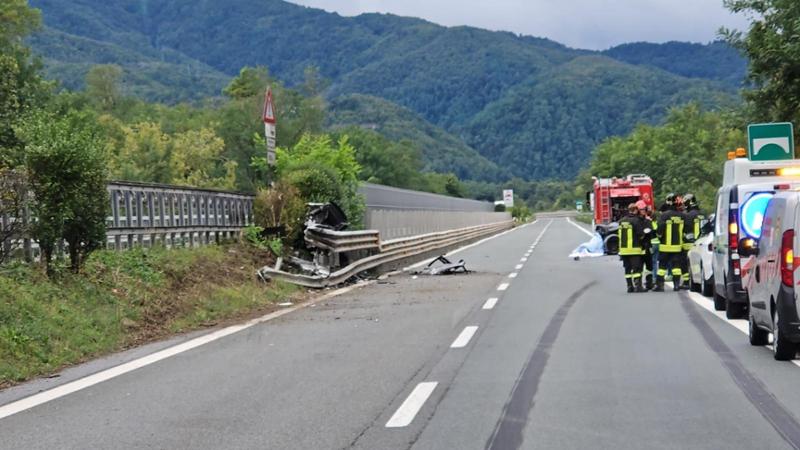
pixel 741 203
pixel 772 277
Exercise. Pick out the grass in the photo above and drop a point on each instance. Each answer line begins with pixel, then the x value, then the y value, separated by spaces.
pixel 585 217
pixel 124 299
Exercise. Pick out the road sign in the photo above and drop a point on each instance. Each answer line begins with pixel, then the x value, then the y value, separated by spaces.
pixel 770 141
pixel 270 131
pixel 579 205
pixel 508 198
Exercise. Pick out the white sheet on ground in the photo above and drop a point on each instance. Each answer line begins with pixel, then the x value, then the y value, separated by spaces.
pixel 590 249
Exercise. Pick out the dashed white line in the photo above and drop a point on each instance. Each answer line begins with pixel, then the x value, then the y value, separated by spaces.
pixel 408 410
pixel 502 287
pixel 518 266
pixel 463 339
pixel 523 259
pixel 490 303
pixel 512 275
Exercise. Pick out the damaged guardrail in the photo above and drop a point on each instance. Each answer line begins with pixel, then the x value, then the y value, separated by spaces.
pixel 388 251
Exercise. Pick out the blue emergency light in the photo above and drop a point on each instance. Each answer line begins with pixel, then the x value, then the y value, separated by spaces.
pixel 753 213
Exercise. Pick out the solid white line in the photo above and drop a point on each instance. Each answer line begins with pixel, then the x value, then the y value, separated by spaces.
pixel 518 266
pixel 502 287
pixel 739 324
pixel 580 227
pixel 83 383
pixel 408 410
pixel 463 339
pixel 512 275
pixel 490 303
pixel 474 244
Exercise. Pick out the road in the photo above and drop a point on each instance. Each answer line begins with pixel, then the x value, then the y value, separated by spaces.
pixel 533 352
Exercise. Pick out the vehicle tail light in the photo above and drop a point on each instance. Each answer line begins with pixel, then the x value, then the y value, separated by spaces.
pixel 787 258
pixel 733 229
pixel 737 266
pixel 782 187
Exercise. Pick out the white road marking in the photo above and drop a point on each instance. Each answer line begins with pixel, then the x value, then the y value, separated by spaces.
pixel 512 275
pixel 739 324
pixel 490 303
pixel 518 266
pixel 461 249
pixel 408 410
pixel 580 227
pixel 463 339
pixel 83 383
pixel 502 287
pixel 523 259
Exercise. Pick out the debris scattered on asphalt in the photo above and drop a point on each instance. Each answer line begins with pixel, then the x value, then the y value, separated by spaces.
pixel 286 304
pixel 447 267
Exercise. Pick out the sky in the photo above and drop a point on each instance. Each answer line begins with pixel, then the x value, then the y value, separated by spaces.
pixel 588 24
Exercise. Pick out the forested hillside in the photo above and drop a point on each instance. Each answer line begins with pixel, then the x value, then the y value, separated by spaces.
pixel 512 98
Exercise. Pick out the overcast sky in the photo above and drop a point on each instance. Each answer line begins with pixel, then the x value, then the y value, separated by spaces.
pixel 590 24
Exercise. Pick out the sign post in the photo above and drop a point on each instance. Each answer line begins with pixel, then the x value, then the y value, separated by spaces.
pixel 268 117
pixel 508 198
pixel 770 141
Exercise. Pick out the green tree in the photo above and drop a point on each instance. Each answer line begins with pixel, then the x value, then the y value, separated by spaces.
pixel 324 171
pixel 772 45
pixel 102 86
pixel 65 161
pixel 685 154
pixel 21 85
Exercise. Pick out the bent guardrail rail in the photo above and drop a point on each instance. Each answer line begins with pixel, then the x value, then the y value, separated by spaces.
pixel 390 251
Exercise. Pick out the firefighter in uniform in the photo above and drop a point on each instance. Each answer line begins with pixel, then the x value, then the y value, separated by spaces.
pixel 670 249
pixel 691 232
pixel 645 212
pixel 631 234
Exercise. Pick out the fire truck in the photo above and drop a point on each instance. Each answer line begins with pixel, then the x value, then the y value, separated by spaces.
pixel 609 201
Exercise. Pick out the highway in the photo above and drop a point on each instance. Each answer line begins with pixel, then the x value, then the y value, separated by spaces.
pixel 532 350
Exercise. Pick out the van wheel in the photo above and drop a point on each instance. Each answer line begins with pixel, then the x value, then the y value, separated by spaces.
pixel 612 244
pixel 782 349
pixel 758 336
pixel 694 287
pixel 734 310
pixel 719 302
pixel 707 287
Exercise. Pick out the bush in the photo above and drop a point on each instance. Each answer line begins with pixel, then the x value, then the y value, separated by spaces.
pixel 499 207
pixel 280 206
pixel 521 212
pixel 65 162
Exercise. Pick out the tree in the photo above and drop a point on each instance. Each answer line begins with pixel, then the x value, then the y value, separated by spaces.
pixel 324 171
pixel 65 161
pixel 102 86
pixel 14 201
pixel 772 45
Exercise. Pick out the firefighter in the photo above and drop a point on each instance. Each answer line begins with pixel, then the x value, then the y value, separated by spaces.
pixel 645 212
pixel 631 234
pixel 691 232
pixel 670 248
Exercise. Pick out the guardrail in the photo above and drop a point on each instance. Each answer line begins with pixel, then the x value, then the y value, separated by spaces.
pixel 390 251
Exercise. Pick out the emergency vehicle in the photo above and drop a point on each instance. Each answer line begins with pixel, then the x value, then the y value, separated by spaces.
pixel 609 201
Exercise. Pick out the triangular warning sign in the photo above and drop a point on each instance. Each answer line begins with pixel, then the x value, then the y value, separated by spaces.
pixel 269 108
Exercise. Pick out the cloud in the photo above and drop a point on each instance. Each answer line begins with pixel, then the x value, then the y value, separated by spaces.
pixel 591 24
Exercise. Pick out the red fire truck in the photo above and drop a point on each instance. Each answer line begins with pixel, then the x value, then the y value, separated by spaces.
pixel 610 199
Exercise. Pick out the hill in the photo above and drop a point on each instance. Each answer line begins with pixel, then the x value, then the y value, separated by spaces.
pixel 502 94
pixel 442 152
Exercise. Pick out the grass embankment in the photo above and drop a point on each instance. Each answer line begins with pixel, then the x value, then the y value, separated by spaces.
pixel 585 217
pixel 123 299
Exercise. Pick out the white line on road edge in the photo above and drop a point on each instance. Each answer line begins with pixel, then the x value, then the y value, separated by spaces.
pixel 490 303
pixel 474 244
pixel 83 383
pixel 580 227
pixel 739 324
pixel 518 266
pixel 502 287
pixel 463 339
pixel 408 410
pixel 512 275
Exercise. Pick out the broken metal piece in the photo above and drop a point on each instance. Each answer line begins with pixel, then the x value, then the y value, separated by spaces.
pixel 447 268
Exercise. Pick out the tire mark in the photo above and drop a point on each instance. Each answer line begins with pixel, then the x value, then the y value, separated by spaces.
pixel 754 389
pixel 508 432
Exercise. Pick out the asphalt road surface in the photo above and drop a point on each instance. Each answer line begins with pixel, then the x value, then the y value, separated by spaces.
pixel 533 352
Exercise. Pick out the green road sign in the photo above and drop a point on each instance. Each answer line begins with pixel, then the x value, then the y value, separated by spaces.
pixel 770 141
